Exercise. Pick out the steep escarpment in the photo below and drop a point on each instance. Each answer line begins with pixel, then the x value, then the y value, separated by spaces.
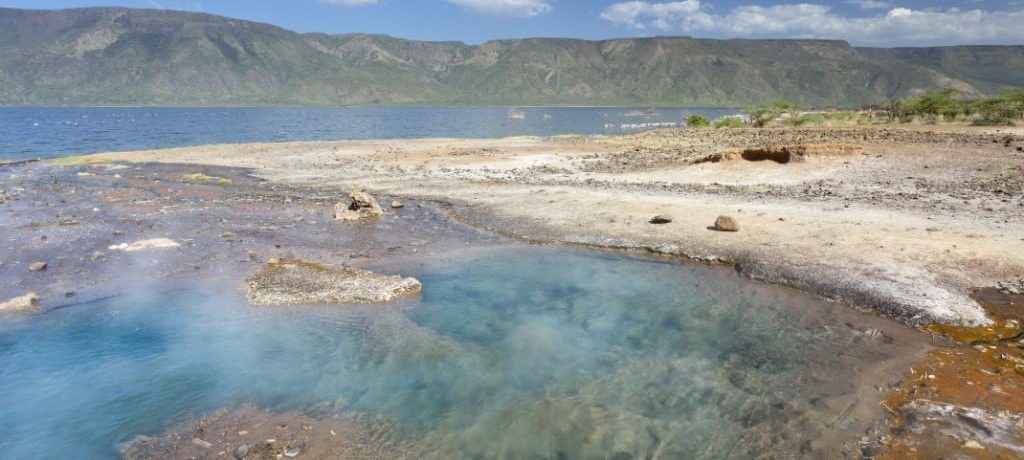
pixel 99 56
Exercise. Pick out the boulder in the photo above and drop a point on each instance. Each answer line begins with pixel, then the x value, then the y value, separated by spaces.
pixel 293 281
pixel 661 219
pixel 726 224
pixel 28 303
pixel 360 205
pixel 397 204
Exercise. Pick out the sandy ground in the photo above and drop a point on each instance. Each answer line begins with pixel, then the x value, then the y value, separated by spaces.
pixel 906 221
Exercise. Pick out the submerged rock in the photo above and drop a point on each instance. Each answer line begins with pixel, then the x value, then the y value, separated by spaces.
pixel 28 303
pixel 143 245
pixel 290 281
pixel 250 433
pixel 360 206
pixel 726 224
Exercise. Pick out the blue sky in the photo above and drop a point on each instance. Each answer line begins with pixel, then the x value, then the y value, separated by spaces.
pixel 863 22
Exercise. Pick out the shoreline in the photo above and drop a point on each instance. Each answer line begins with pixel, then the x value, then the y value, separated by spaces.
pixel 798 211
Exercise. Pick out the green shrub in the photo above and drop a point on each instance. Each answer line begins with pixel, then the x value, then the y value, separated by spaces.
pixel 729 122
pixel 809 119
pixel 937 104
pixel 697 121
pixel 1002 109
pixel 899 110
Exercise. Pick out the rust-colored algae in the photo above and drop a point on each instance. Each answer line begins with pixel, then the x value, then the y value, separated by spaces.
pixel 982 372
pixel 1007 315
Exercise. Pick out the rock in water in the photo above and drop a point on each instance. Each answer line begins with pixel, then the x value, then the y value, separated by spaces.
pixel 28 303
pixel 661 219
pixel 360 206
pixel 37 266
pixel 144 245
pixel 397 204
pixel 292 281
pixel 726 224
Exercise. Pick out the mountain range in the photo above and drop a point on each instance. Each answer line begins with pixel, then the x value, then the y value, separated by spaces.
pixel 120 56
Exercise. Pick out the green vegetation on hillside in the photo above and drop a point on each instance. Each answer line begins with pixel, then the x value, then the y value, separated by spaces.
pixel 940 105
pixel 118 56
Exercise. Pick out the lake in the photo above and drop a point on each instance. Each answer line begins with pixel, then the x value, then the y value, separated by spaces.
pixel 28 133
pixel 543 352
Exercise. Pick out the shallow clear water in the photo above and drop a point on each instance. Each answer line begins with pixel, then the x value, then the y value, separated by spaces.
pixel 53 132
pixel 532 352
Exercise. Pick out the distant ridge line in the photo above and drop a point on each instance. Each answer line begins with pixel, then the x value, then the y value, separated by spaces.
pixel 144 57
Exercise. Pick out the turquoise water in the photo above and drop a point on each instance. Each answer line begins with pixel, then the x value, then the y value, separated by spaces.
pixel 52 132
pixel 526 353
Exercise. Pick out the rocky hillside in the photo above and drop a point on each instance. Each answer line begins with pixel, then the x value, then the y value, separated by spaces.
pixel 113 56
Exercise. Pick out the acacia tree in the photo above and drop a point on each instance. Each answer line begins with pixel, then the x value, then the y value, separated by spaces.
pixel 938 103
pixel 898 110
pixel 761 115
pixel 1001 109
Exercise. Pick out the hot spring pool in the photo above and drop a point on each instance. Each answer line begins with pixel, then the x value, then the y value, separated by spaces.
pixel 539 352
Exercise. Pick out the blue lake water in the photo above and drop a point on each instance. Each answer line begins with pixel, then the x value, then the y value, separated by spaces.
pixel 530 353
pixel 52 132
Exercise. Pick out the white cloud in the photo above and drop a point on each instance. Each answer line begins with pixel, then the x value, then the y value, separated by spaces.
pixel 870 4
pixel 898 26
pixel 350 2
pixel 663 15
pixel 505 8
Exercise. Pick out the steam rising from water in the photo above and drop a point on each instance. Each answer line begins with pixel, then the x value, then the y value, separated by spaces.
pixel 537 352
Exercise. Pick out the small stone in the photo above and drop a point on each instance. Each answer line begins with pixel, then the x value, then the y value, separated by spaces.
pixel 292 452
pixel 972 444
pixel 242 451
pixel 360 206
pixel 397 204
pixel 660 219
pixel 202 443
pixel 37 266
pixel 726 224
pixel 870 450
